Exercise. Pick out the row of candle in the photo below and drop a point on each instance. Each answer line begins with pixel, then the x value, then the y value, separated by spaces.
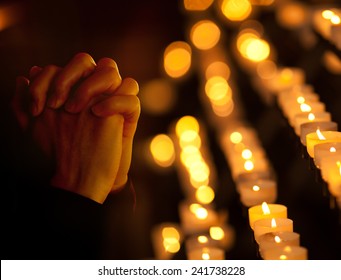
pixel 252 172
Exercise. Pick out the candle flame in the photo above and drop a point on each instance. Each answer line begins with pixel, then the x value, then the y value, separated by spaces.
pixel 300 100
pixel 335 19
pixel 311 117
pixel 277 239
pixel 320 135
pixel 305 107
pixel 282 257
pixel 327 14
pixel 273 223
pixel 200 212
pixel 255 188
pixel 246 154
pixel 202 239
pixel 287 249
pixel 248 165
pixel 265 208
pixel 205 256
pixel 332 150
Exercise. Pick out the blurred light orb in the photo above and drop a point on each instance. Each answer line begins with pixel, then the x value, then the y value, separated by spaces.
pixel 197 5
pixel 292 15
pixel 157 96
pixel 177 59
pixel 266 69
pixel 186 123
pixel 217 88
pixel 205 194
pixel 205 34
pixel 256 50
pixel 218 68
pixel 162 150
pixel 236 10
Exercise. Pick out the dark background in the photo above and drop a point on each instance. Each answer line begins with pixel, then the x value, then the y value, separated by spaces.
pixel 135 33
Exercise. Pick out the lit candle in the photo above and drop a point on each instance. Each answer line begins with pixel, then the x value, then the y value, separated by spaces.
pixel 302 118
pixel 255 192
pixel 196 218
pixel 331 172
pixel 166 240
pixel 286 253
pixel 318 137
pixel 327 163
pixel 206 253
pixel 307 128
pixel 278 239
pixel 265 211
pixel 263 226
pixel 307 107
pixel 325 150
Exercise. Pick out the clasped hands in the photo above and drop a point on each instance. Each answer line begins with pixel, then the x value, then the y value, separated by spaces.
pixel 84 117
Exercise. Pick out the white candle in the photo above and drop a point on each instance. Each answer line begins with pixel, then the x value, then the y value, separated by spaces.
pixel 286 253
pixel 263 226
pixel 302 118
pixel 318 137
pixel 265 211
pixel 307 128
pixel 278 239
pixel 308 107
pixel 254 192
pixel 325 150
pixel 327 163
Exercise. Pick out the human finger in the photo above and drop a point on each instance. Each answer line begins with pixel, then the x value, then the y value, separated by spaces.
pixel 126 105
pixel 104 80
pixel 128 87
pixel 34 71
pixel 80 66
pixel 40 86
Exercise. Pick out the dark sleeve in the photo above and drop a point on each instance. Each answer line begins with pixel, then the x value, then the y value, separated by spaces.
pixel 58 224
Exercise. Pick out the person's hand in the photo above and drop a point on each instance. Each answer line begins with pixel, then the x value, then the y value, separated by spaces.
pixel 88 132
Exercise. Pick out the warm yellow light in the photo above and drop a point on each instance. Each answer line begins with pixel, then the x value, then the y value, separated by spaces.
pixel 300 100
pixel 217 233
pixel 246 154
pixel 223 108
pixel 248 165
pixel 205 256
pixel 205 34
pixel 171 245
pixel 236 10
pixel 199 173
pixel 277 239
pixel 283 257
pixel 170 232
pixel 177 59
pixel 200 212
pixel 320 135
pixel 186 123
pixel 286 75
pixel 332 150
pixel 305 107
pixel 256 188
pixel 197 5
pixel 273 223
pixel 292 15
pixel 287 249
pixel 311 117
pixel 256 50
pixel 190 138
pixel 335 19
pixel 190 156
pixel 236 137
pixel 266 69
pixel 218 68
pixel 202 239
pixel 244 38
pixel 265 208
pixel 157 96
pixel 162 150
pixel 217 88
pixel 205 194
pixel 327 14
